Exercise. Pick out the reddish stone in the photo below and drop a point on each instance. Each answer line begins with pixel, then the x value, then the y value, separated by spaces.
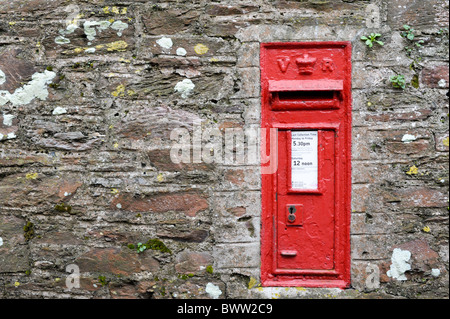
pixel 120 291
pixel 171 21
pixel 221 10
pixel 145 286
pixel 187 203
pixel 421 197
pixel 431 13
pixel 21 159
pixel 117 261
pixel 192 262
pixel 226 125
pixel 110 236
pixel 18 191
pixel 14 255
pixel 360 197
pixel 421 114
pixel 237 211
pixel 416 147
pixel 236 177
pixel 15 69
pixel 432 75
pixel 7 6
pixel 423 258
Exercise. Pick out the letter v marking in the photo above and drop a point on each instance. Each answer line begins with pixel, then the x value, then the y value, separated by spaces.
pixel 283 63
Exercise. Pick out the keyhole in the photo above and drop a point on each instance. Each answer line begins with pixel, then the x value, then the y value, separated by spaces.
pixel 291 217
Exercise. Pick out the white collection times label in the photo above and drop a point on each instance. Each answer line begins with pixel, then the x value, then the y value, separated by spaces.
pixel 304 158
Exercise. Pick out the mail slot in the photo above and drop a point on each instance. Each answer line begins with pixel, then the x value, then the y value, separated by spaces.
pixel 306 94
pixel 306 99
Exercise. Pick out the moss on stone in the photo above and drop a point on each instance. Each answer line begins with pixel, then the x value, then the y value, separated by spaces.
pixel 102 280
pixel 28 230
pixel 209 269
pixel 156 244
pixel 63 208
pixel 153 244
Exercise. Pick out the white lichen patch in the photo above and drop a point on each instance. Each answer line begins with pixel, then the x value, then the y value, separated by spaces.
pixel 11 136
pixel 7 119
pixel 435 272
pixel 399 264
pixel 408 138
pixel 61 40
pixel 36 88
pixel 165 43
pixel 442 83
pixel 2 77
pixel 213 291
pixel 59 110
pixel 68 30
pixel 1 242
pixel 119 26
pixel 90 28
pixel 185 87
pixel 181 52
pixel 90 50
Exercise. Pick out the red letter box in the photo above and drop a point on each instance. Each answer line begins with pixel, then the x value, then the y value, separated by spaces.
pixel 306 96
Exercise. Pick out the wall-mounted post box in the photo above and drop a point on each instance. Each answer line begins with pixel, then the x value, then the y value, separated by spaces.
pixel 306 97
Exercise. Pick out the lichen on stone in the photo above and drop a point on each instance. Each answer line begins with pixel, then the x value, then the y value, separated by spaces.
pixel 201 49
pixel 28 231
pixel 117 46
pixel 63 208
pixel 119 26
pixel 446 141
pixel 36 88
pixel 153 244
pixel 7 119
pixel 165 43
pixel 213 291
pixel 31 176
pixel 185 87
pixel 59 110
pixel 119 91
pixel 413 170
pixel 408 138
pixel 2 77
pixel 399 266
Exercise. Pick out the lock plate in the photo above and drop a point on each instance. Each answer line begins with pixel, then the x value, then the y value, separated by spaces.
pixel 294 215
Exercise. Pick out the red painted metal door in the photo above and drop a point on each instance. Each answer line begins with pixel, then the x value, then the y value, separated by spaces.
pixel 306 89
pixel 307 242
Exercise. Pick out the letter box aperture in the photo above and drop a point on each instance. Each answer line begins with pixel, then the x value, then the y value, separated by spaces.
pixel 306 97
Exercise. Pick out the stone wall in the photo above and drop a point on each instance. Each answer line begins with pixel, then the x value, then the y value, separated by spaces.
pixel 91 91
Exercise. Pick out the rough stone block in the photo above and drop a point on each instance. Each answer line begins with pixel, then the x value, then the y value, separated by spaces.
pixel 236 255
pixel 14 254
pixel 189 203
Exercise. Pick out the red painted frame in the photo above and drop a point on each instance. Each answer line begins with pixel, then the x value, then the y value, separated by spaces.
pixel 318 117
